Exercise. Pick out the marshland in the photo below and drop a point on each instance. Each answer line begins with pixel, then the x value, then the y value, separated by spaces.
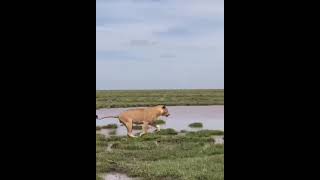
pixel 190 144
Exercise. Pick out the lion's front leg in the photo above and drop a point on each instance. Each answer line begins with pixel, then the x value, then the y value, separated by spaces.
pixel 156 126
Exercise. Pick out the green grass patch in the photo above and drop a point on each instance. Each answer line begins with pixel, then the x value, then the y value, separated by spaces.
pixel 157 156
pixel 99 177
pixel 137 127
pixel 205 133
pixel 138 98
pixel 168 131
pixel 196 125
pixel 110 126
pixel 160 122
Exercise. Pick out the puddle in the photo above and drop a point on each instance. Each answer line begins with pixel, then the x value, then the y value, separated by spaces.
pixel 118 176
pixel 212 117
pixel 109 147
pixel 218 139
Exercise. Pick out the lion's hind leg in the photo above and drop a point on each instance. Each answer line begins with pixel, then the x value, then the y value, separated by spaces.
pixel 128 124
pixel 145 128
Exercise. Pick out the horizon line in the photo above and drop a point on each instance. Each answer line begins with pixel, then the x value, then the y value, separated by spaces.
pixel 160 89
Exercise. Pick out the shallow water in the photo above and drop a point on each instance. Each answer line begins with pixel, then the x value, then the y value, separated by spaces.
pixel 117 176
pixel 212 117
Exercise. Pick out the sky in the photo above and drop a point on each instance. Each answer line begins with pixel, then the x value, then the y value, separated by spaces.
pixel 159 44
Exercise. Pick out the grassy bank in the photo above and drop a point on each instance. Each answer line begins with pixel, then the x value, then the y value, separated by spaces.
pixel 135 98
pixel 162 156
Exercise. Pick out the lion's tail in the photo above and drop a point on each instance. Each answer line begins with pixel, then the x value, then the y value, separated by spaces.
pixel 106 117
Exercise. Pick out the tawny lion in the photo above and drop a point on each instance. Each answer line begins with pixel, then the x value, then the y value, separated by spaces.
pixel 145 116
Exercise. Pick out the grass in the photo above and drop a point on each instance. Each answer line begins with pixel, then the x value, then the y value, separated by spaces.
pixel 113 132
pixel 139 98
pixel 158 156
pixel 137 127
pixel 160 122
pixel 196 125
pixel 205 133
pixel 168 131
pixel 99 177
pixel 110 126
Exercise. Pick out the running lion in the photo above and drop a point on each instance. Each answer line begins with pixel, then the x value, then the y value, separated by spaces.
pixel 145 116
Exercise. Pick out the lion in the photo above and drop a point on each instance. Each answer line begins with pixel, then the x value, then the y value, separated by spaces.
pixel 145 116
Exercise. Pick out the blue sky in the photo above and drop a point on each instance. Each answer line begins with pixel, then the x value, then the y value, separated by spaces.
pixel 159 44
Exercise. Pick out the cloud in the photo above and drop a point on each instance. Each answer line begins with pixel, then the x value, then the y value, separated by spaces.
pixel 142 43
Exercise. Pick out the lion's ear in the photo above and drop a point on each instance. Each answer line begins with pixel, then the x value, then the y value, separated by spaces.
pixel 164 106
